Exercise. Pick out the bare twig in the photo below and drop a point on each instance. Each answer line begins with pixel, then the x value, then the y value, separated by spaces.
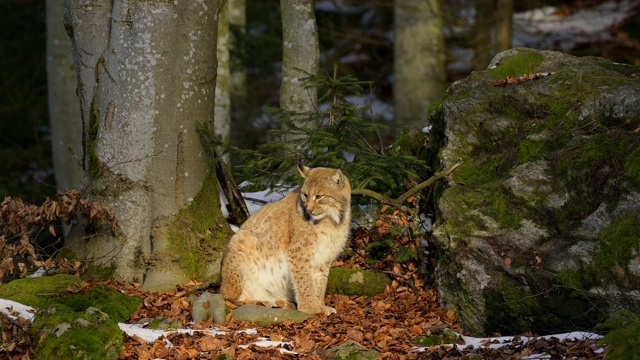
pixel 414 190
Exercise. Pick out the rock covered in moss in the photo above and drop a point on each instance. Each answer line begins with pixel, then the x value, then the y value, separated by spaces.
pixel 65 334
pixel 73 324
pixel 356 282
pixel 542 217
pixel 46 291
pixel 350 351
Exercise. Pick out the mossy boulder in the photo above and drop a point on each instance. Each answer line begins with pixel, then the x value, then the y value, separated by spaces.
pixel 72 323
pixel 538 228
pixel 62 333
pixel 350 350
pixel 356 282
pixel 47 291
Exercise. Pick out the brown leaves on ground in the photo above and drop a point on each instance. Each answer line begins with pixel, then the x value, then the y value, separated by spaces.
pixel 20 224
pixel 388 322
pixel 518 80
pixel 16 342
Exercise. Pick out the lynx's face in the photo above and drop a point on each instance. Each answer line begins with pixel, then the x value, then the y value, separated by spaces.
pixel 325 193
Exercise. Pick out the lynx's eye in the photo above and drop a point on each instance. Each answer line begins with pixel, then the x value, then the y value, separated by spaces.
pixel 319 197
pixel 303 195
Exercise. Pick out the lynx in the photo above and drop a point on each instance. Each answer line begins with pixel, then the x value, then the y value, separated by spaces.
pixel 282 254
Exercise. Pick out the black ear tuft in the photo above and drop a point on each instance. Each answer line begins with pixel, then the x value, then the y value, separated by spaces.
pixel 337 178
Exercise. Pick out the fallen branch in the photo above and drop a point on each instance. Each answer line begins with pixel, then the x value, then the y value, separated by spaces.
pixel 414 190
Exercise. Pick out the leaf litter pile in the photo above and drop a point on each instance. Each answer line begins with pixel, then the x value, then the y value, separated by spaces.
pixel 388 323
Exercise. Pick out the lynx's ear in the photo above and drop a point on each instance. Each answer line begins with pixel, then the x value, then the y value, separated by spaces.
pixel 337 178
pixel 304 171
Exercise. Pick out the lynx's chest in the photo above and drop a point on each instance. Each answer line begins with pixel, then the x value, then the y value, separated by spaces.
pixel 330 243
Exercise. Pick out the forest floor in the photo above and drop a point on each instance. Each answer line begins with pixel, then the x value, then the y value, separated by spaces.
pixel 389 322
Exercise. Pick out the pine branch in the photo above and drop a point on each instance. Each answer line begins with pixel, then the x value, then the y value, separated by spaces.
pixel 414 190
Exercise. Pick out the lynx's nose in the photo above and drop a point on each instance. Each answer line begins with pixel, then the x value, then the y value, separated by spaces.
pixel 311 206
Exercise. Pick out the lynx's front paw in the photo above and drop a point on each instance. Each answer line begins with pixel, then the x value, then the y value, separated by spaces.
pixel 328 310
pixel 320 309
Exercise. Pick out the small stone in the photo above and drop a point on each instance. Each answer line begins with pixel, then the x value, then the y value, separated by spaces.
pixel 216 308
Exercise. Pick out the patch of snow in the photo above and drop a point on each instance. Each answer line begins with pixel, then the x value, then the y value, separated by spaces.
pixel 15 309
pixel 502 341
pixel 266 343
pixel 40 272
pixel 352 58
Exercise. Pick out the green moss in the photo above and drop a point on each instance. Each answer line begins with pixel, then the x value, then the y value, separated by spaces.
pixel 589 154
pixel 509 308
pixel 65 253
pixel 64 334
pixel 478 172
pixel 356 282
pixel 447 336
pixel 432 340
pixel 571 278
pixel 47 291
pixel 616 247
pixel 529 150
pixel 39 292
pixel 498 205
pixel 524 62
pixel 100 273
pixel 195 233
pixel 632 166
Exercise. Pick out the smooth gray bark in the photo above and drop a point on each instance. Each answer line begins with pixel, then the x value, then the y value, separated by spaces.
pixel 419 59
pixel 223 86
pixel 300 55
pixel 64 112
pixel 146 73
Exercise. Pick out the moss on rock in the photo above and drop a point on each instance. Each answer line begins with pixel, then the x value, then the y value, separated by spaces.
pixel 65 334
pixel 618 245
pixel 356 282
pixel 39 292
pixel 550 168
pixel 46 291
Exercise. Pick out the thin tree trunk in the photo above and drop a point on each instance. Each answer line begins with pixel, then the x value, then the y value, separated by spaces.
pixel 223 86
pixel 300 55
pixel 482 41
pixel 504 25
pixel 64 112
pixel 238 80
pixel 419 60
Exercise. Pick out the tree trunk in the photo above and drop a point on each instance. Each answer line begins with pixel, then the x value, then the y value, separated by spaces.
pixel 146 75
pixel 223 90
pixel 238 79
pixel 485 19
pixel 300 55
pixel 64 113
pixel 419 60
pixel 504 25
